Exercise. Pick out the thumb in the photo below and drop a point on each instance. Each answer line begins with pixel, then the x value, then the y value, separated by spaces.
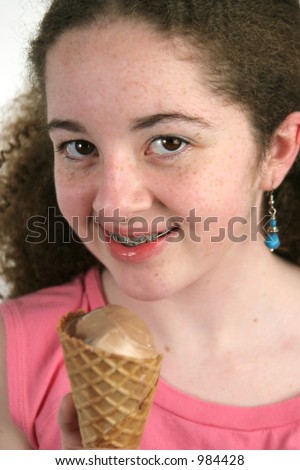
pixel 68 423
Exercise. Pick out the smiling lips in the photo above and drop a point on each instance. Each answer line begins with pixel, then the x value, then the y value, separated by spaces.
pixel 136 249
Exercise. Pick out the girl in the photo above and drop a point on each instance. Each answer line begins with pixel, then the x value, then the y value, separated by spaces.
pixel 175 130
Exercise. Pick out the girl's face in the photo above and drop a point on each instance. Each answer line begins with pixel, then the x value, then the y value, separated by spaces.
pixel 142 147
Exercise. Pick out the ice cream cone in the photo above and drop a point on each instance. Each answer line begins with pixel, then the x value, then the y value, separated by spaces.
pixel 112 393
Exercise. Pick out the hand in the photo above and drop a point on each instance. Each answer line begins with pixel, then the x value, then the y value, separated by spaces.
pixel 68 423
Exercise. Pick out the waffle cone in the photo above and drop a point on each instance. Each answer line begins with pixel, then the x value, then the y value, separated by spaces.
pixel 113 394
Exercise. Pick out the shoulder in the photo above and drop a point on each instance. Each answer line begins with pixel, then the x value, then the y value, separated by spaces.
pixel 50 303
pixel 30 326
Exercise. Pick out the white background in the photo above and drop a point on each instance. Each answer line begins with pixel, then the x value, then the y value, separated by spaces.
pixel 18 21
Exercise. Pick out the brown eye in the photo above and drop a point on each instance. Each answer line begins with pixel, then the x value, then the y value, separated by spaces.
pixel 167 145
pixel 83 147
pixel 172 144
pixel 77 149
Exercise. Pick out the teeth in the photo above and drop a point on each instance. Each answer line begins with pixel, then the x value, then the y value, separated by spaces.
pixel 135 241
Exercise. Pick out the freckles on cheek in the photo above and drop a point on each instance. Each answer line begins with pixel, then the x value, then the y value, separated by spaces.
pixel 72 198
pixel 213 194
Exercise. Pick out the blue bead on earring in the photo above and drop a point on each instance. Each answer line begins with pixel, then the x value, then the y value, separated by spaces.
pixel 272 241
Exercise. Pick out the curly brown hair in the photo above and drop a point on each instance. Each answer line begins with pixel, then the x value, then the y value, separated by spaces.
pixel 251 54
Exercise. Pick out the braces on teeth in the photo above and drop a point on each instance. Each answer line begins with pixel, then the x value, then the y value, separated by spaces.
pixel 137 240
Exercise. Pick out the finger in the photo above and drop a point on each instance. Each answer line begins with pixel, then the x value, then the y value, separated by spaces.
pixel 68 423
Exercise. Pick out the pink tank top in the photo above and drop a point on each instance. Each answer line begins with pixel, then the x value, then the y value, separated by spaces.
pixel 37 381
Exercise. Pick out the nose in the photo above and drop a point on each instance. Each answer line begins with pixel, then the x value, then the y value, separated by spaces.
pixel 122 189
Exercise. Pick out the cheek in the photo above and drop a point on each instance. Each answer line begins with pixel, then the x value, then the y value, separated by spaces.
pixel 216 200
pixel 223 192
pixel 74 199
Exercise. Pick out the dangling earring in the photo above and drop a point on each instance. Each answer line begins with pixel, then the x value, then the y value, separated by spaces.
pixel 272 241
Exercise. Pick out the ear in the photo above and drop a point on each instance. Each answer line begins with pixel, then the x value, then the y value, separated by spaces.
pixel 282 153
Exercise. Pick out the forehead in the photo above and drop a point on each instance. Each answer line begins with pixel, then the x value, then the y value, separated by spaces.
pixel 114 42
pixel 119 58
pixel 105 77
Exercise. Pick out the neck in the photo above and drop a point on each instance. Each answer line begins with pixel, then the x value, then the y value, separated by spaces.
pixel 220 306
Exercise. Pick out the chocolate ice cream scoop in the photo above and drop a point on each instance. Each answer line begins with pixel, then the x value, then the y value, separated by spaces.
pixel 115 330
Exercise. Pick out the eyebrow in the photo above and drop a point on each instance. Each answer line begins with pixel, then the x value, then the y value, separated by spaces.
pixel 138 124
pixel 72 126
pixel 150 121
